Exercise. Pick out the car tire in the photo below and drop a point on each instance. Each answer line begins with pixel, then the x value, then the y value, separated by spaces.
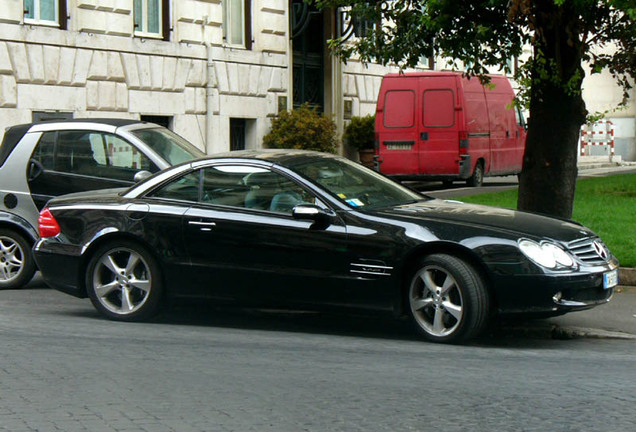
pixel 124 282
pixel 447 299
pixel 477 179
pixel 17 265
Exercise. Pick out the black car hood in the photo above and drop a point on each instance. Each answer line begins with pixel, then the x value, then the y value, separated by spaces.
pixel 522 223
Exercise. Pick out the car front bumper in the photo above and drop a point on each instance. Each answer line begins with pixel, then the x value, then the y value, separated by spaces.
pixel 551 294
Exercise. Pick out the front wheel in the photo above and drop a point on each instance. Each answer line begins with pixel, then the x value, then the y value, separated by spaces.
pixel 17 266
pixel 447 299
pixel 123 281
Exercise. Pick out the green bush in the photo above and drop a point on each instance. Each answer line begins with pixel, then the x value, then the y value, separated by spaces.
pixel 360 133
pixel 303 128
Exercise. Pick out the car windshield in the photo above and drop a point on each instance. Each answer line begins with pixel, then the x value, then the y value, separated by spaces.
pixel 167 144
pixel 355 185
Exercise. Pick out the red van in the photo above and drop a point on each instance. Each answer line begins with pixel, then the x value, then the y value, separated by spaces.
pixel 442 126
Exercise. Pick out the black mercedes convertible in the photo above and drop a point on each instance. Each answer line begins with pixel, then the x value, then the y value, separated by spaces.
pixel 309 230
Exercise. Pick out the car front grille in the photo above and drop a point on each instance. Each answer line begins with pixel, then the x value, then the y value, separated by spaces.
pixel 587 250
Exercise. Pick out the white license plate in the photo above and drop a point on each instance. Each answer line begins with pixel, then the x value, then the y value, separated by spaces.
pixel 610 279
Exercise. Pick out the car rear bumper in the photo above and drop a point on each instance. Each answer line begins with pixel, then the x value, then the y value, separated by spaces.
pixel 60 271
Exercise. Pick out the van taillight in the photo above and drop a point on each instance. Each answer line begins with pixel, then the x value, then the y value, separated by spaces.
pixel 47 224
pixel 463 142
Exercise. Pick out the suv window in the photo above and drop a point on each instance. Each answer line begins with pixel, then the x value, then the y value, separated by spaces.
pixel 91 153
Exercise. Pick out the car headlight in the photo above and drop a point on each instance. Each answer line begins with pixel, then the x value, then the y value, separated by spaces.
pixel 546 254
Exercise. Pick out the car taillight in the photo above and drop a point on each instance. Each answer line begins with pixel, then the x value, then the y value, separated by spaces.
pixel 47 224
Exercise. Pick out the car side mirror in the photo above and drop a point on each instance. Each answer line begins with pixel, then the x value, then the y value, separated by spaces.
pixel 141 175
pixel 320 216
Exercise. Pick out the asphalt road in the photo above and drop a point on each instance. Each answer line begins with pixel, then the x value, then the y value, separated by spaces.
pixel 200 368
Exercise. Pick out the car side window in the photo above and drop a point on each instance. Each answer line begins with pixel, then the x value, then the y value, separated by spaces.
pixel 185 188
pixel 252 188
pixel 239 186
pixel 91 153
pixel 44 152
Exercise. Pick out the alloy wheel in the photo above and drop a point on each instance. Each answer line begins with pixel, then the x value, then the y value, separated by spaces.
pixel 11 259
pixel 436 301
pixel 122 281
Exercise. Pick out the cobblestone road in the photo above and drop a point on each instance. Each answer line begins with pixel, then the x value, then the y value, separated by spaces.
pixel 64 368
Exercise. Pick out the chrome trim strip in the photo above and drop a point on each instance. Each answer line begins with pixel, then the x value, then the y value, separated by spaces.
pixel 370 273
pixel 579 304
pixel 372 265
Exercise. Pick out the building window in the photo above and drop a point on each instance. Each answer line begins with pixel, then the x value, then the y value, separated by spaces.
pixel 46 12
pixel 151 18
pixel 237 23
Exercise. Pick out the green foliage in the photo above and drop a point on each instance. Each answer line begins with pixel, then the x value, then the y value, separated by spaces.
pixel 605 204
pixel 360 133
pixel 304 129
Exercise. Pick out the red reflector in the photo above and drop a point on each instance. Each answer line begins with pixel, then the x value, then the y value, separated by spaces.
pixel 47 224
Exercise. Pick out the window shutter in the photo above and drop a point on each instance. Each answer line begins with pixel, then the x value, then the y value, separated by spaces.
pixel 165 19
pixel 63 15
pixel 248 24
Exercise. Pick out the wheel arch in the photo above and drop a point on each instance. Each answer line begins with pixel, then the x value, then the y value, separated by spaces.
pixel 20 225
pixel 484 164
pixel 454 249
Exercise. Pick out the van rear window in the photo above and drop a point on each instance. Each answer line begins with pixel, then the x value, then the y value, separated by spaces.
pixel 399 108
pixel 439 108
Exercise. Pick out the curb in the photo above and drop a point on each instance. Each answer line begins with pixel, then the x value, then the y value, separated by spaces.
pixel 590 333
pixel 627 276
pixel 557 332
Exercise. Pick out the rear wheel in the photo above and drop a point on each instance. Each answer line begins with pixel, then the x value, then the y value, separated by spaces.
pixel 124 282
pixel 17 266
pixel 447 299
pixel 477 179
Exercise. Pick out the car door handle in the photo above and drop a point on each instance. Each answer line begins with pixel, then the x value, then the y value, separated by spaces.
pixel 203 226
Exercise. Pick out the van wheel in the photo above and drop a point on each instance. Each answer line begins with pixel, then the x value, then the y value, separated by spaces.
pixel 447 299
pixel 17 266
pixel 477 179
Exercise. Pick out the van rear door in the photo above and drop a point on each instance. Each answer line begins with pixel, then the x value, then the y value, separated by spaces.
pixel 396 126
pixel 438 126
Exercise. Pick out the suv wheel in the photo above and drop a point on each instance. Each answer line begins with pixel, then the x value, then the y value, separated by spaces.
pixel 17 266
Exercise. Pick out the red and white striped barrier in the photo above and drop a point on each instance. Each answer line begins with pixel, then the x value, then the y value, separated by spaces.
pixel 599 133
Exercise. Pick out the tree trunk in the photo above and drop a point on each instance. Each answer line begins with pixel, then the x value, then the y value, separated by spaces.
pixel 548 179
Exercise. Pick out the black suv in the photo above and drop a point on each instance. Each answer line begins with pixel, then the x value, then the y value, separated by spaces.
pixel 39 161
